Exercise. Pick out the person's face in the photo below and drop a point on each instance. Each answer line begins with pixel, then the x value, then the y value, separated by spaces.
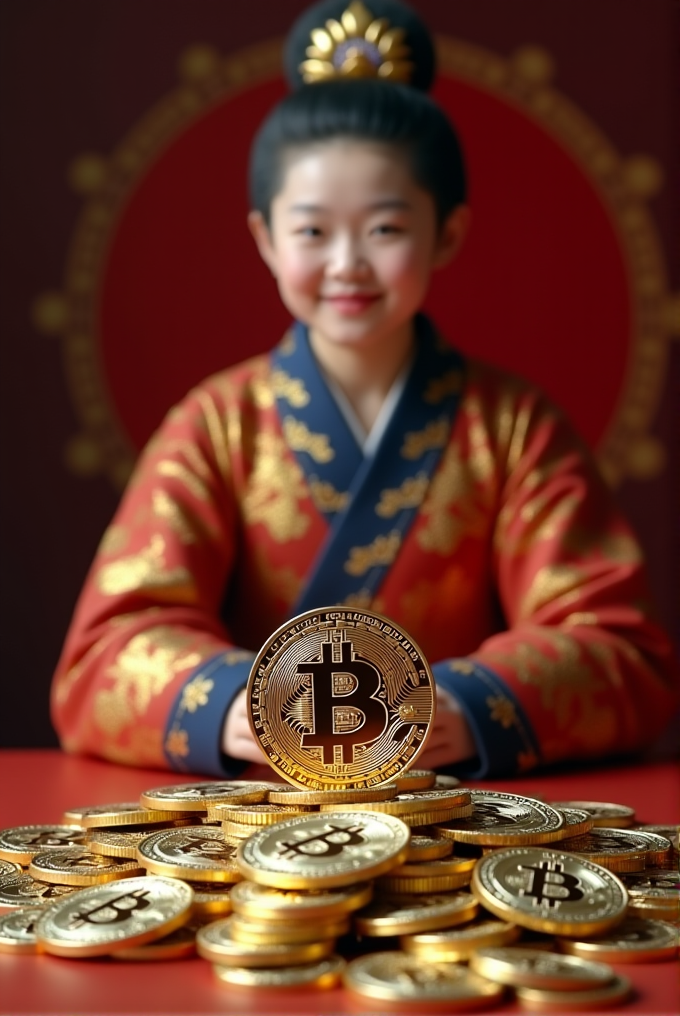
pixel 353 241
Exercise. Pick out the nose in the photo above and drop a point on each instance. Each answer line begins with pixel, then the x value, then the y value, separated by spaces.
pixel 347 257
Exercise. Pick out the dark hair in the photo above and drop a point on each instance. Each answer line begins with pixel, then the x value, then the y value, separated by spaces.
pixel 366 109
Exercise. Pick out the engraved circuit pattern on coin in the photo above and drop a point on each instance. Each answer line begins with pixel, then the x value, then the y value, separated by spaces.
pixel 340 697
pixel 324 851
pixel 549 891
pixel 103 918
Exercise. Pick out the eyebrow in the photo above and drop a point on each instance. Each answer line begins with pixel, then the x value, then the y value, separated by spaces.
pixel 378 206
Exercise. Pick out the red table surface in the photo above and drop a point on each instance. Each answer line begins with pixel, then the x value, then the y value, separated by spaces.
pixel 37 786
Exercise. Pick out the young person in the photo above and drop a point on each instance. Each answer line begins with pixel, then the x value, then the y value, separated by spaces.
pixel 365 462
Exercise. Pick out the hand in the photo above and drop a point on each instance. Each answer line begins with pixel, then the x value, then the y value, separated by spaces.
pixel 237 737
pixel 450 738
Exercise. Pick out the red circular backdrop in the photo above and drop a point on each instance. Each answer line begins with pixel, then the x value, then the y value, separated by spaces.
pixel 540 286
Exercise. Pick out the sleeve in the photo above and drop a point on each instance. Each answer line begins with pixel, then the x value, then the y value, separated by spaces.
pixel 148 671
pixel 580 669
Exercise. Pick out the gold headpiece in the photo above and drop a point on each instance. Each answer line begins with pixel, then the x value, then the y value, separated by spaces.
pixel 357 46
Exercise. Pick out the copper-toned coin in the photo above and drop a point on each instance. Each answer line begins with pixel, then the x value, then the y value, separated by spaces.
pixel 185 797
pixel 199 853
pixel 614 816
pixel 21 843
pixel 550 891
pixel 80 867
pixel 635 940
pixel 104 816
pixel 339 697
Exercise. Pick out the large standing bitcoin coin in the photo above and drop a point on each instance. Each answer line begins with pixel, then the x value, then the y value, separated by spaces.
pixel 324 851
pixel 340 697
pixel 400 979
pixel 549 891
pixel 104 918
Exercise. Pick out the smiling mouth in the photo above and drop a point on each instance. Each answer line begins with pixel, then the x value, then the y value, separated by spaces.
pixel 352 303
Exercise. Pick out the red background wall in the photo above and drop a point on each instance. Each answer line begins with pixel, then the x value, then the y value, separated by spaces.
pixel 76 76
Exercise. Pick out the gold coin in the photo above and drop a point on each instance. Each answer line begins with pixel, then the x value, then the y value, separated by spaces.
pixel 426 884
pixel 127 814
pixel 258 814
pixel 408 914
pixel 211 899
pixel 104 918
pixel 403 980
pixel 23 890
pixel 21 843
pixel 576 823
pixel 423 847
pixel 550 891
pixel 533 968
pixel 340 697
pixel 659 850
pixel 413 802
pixel 9 868
pixel 324 973
pixel 446 866
pixel 348 795
pixel 447 782
pixel 658 887
pixel 616 849
pixel 436 818
pixel 324 851
pixel 264 903
pixel 238 830
pixel 614 816
pixel 669 832
pixel 216 943
pixel 80 867
pixel 17 930
pixel 116 844
pixel 417 779
pixel 185 797
pixel 501 819
pixel 175 946
pixel 245 929
pixel 456 945
pixel 635 940
pixel 198 852
pixel 544 1001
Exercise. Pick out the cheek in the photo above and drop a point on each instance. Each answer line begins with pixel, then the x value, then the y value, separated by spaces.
pixel 297 270
pixel 404 265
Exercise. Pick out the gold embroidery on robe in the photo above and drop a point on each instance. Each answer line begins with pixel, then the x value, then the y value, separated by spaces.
pixel 276 487
pixel 146 570
pixel 196 693
pixel 502 710
pixel 434 435
pixel 440 388
pixel 361 600
pixel 481 459
pixel 216 432
pixel 141 671
pixel 301 439
pixel 177 743
pixel 326 497
pixel 408 495
pixel 381 551
pixel 581 617
pixel 451 510
pixel 549 583
pixel 144 747
pixel 165 507
pixel 178 471
pixel 279 385
pixel 114 540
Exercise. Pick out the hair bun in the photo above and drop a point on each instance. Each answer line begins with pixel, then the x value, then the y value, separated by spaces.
pixel 417 39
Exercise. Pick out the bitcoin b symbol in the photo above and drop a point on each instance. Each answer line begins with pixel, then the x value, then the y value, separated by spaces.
pixel 551 886
pixel 345 709
pixel 326 844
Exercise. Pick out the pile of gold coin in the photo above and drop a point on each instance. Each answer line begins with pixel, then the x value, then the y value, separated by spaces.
pixel 408 889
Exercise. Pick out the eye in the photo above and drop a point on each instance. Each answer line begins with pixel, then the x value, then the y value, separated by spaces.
pixel 309 232
pixel 387 229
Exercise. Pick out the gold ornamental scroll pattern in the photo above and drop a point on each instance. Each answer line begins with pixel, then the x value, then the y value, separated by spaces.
pixel 106 182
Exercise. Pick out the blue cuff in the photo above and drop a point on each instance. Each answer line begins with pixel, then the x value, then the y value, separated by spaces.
pixel 193 735
pixel 505 741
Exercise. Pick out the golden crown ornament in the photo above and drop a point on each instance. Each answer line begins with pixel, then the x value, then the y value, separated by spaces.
pixel 357 46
